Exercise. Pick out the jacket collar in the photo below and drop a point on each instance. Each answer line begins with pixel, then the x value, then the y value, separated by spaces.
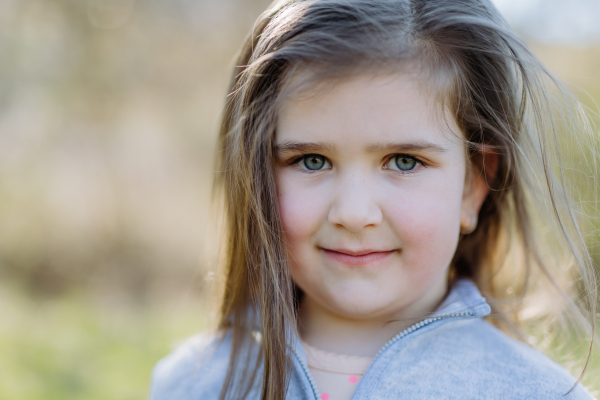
pixel 463 296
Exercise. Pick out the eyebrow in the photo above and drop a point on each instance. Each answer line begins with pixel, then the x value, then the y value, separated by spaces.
pixel 373 148
pixel 401 147
pixel 317 147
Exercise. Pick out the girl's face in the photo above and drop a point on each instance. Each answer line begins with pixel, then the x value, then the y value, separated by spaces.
pixel 371 189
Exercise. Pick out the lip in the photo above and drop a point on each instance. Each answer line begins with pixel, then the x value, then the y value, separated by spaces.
pixel 361 257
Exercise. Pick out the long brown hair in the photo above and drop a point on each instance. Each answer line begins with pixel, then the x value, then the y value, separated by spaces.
pixel 503 99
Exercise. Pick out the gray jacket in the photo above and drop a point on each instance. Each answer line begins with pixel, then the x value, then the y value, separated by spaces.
pixel 454 354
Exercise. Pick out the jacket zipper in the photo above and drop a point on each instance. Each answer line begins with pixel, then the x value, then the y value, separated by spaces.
pixel 393 340
pixel 313 385
pixel 418 326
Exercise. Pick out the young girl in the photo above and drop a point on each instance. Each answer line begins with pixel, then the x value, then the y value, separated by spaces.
pixel 388 168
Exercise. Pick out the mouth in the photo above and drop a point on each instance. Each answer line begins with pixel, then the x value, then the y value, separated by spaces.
pixel 361 257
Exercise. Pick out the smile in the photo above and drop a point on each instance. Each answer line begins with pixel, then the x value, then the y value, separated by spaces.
pixel 357 258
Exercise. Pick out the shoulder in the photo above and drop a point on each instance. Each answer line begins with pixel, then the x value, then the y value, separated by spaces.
pixel 195 369
pixel 483 362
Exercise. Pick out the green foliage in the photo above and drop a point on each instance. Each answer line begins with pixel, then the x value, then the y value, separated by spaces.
pixel 74 348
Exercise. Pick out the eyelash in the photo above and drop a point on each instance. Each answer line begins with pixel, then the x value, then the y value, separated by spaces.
pixel 410 171
pixel 419 162
pixel 297 160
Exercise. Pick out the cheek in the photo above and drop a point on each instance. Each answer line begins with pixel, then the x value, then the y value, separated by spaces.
pixel 427 223
pixel 301 213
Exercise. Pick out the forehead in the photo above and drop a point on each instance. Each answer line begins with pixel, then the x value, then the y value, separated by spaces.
pixel 367 108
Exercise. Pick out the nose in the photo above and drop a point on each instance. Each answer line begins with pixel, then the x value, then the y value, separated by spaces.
pixel 354 206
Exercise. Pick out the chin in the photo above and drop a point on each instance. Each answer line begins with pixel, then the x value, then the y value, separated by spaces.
pixel 356 307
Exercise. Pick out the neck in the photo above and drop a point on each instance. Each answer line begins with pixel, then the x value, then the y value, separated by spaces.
pixel 362 336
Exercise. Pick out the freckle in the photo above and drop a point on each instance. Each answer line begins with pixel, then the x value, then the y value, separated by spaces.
pixel 353 379
pixel 325 396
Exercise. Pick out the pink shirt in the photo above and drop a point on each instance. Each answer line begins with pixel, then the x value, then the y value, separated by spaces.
pixel 336 375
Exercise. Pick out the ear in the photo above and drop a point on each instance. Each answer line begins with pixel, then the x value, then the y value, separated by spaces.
pixel 479 174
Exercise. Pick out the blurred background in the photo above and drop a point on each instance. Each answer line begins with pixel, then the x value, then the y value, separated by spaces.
pixel 108 118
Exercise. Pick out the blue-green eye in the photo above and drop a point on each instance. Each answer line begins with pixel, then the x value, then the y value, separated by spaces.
pixel 404 162
pixel 313 162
